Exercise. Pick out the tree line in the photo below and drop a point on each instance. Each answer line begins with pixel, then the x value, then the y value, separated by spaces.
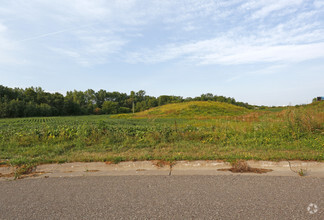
pixel 34 101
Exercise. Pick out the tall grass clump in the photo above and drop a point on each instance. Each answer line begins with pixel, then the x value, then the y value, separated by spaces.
pixel 304 120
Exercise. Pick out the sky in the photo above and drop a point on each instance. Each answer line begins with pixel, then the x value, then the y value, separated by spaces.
pixel 264 52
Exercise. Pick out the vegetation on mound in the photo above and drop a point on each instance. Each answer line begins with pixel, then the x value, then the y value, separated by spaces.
pixel 193 109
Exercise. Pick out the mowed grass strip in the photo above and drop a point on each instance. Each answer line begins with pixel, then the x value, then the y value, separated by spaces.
pixel 294 133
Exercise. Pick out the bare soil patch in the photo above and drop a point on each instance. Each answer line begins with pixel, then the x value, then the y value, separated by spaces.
pixel 163 163
pixel 92 171
pixel 241 166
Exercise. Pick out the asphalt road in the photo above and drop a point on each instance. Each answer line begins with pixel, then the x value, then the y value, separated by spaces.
pixel 163 197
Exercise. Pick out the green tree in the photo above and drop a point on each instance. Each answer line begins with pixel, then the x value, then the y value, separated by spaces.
pixel 109 107
pixel 31 109
pixel 16 108
pixel 101 97
pixel 44 109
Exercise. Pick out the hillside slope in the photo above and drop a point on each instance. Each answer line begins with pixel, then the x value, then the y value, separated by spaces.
pixel 194 109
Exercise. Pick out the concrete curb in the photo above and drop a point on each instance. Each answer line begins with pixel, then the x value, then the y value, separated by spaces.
pixel 282 168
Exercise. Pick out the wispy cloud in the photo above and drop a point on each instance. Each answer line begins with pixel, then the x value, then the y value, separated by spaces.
pixel 218 51
pixel 262 8
pixel 7 48
pixel 298 38
pixel 3 28
pixel 189 27
pixel 95 50
pixel 253 54
pixel 223 39
pixel 319 3
pixel 53 33
pixel 200 32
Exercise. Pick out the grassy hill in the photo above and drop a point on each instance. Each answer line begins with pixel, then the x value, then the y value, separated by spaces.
pixel 194 109
pixel 317 106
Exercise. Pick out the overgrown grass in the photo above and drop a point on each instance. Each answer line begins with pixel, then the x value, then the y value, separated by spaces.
pixel 293 133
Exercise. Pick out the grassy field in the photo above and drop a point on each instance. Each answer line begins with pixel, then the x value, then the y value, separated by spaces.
pixel 185 131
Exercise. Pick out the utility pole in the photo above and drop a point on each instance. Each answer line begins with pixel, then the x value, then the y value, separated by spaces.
pixel 133 107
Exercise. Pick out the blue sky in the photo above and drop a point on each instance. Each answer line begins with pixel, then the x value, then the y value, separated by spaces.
pixel 264 52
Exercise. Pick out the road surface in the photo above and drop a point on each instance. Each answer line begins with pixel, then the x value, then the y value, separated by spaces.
pixel 163 197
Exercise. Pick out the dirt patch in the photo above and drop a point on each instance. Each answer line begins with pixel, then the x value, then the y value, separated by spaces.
pixel 141 170
pixel 92 171
pixel 4 165
pixel 21 176
pixel 34 174
pixel 241 166
pixel 162 163
pixel 23 171
pixel 7 175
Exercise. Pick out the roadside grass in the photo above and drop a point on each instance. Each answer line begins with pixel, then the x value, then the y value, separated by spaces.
pixel 290 134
